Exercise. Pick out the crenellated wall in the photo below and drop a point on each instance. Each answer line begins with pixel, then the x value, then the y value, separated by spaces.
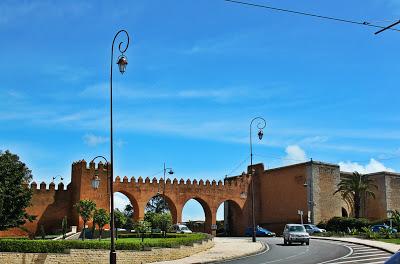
pixel 50 205
pixel 279 193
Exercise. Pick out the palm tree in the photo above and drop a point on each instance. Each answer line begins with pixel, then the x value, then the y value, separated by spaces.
pixel 353 188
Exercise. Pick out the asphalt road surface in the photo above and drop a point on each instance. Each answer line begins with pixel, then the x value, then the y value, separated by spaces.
pixel 319 251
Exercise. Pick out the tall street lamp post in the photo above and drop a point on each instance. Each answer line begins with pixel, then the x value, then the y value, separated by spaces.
pixel 122 62
pixel 260 125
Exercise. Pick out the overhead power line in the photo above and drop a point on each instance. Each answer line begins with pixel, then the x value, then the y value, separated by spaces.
pixel 363 23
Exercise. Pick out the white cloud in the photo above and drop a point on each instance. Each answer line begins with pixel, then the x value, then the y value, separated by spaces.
pixel 93 140
pixel 372 166
pixel 294 154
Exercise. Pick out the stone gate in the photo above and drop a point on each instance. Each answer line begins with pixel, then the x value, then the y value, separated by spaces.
pixel 50 205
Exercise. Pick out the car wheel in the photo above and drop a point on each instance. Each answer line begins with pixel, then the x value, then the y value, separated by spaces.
pixel 308 242
pixel 302 243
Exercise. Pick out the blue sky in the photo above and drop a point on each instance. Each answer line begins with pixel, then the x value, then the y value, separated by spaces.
pixel 198 72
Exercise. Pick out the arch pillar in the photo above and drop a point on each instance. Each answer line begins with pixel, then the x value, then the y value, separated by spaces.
pixel 141 208
pixel 179 209
pixel 210 221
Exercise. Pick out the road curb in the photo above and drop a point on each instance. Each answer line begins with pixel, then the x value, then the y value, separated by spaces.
pixel 355 242
pixel 262 250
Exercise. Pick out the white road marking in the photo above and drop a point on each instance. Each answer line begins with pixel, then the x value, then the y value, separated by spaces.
pixel 358 260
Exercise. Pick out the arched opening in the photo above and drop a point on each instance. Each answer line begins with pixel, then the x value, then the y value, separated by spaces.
pixel 232 222
pixel 197 215
pixel 126 210
pixel 161 204
pixel 344 212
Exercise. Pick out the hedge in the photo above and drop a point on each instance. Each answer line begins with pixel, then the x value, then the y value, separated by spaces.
pixel 149 235
pixel 59 246
pixel 342 224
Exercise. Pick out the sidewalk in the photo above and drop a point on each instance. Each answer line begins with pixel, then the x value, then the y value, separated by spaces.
pixel 225 248
pixel 393 248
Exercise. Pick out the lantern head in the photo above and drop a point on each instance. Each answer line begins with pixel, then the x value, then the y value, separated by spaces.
pixel 95 182
pixel 122 62
pixel 260 134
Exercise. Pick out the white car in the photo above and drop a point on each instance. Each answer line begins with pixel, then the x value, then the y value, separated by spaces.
pixel 181 229
pixel 295 233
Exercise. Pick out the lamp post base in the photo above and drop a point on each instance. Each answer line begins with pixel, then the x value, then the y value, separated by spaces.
pixel 113 257
pixel 254 238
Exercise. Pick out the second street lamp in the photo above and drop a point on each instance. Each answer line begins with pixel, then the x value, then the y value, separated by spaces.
pixel 260 125
pixel 122 62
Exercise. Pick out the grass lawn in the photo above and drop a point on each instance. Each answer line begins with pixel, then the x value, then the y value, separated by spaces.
pixel 59 246
pixel 391 240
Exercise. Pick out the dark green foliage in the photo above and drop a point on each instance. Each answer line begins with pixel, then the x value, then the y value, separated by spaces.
pixel 150 235
pixel 157 204
pixel 396 219
pixel 343 224
pixel 85 209
pixel 161 221
pixel 101 218
pixel 59 246
pixel 164 222
pixel 142 227
pixel 15 196
pixel 353 187
pixel 64 226
pixel 119 220
pixel 322 224
pixel 42 232
pixel 128 212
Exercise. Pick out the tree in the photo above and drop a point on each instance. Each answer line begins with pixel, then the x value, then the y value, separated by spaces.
pixel 119 220
pixel 353 188
pixel 164 222
pixel 64 226
pixel 128 212
pixel 150 217
pixel 142 227
pixel 85 209
pixel 15 196
pixel 157 204
pixel 101 218
pixel 396 218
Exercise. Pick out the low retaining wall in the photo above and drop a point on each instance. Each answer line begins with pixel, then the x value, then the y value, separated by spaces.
pixel 87 256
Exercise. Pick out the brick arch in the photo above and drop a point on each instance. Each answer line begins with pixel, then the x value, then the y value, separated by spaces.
pixel 234 224
pixel 133 202
pixel 171 205
pixel 209 213
pixel 138 190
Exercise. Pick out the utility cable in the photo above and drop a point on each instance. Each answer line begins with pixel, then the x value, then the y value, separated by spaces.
pixel 364 23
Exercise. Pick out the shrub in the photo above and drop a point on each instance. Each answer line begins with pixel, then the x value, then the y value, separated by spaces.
pixel 59 246
pixel 322 224
pixel 368 233
pixel 149 235
pixel 343 224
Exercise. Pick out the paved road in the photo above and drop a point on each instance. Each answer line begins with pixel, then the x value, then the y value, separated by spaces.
pixel 317 252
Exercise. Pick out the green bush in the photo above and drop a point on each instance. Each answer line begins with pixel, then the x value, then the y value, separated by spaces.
pixel 148 235
pixel 343 224
pixel 59 246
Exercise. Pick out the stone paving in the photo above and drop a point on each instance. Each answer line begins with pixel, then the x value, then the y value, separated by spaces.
pixel 224 248
pixel 393 248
